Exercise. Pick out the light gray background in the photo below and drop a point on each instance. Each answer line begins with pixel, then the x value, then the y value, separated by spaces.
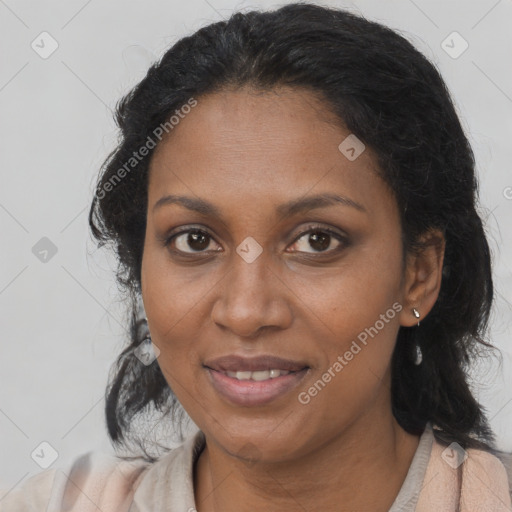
pixel 61 320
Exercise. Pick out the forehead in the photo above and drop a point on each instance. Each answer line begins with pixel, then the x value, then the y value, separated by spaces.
pixel 261 146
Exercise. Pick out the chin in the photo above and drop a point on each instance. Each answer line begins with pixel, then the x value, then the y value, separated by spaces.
pixel 259 445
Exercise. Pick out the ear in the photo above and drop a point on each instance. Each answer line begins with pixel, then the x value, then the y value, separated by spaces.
pixel 422 281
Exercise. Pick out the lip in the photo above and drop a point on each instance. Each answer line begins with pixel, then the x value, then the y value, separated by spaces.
pixel 251 393
pixel 235 363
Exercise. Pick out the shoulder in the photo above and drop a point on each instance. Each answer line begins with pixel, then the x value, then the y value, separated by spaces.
pixel 473 476
pixel 33 494
pixel 486 482
pixel 464 479
pixel 503 460
pixel 92 478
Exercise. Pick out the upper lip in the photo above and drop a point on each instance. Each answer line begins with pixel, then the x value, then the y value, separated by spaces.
pixel 234 363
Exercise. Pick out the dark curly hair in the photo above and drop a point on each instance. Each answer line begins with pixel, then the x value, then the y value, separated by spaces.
pixel 394 100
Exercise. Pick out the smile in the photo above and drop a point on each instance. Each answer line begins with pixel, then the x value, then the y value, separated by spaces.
pixel 254 388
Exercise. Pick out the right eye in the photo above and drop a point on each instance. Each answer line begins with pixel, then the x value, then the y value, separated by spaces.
pixel 195 239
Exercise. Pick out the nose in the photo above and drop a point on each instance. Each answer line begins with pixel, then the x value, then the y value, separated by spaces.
pixel 251 298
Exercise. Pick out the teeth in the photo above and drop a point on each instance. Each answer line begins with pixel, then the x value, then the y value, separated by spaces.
pixel 258 375
pixel 241 375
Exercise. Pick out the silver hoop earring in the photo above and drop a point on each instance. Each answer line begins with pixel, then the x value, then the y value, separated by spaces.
pixel 418 356
pixel 416 313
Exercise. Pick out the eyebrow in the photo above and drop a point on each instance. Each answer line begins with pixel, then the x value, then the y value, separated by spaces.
pixel 287 209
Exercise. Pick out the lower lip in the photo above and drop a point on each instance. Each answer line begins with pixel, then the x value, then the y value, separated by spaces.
pixel 251 392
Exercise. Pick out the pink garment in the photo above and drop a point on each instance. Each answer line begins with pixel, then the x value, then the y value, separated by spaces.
pixel 480 484
pixel 477 483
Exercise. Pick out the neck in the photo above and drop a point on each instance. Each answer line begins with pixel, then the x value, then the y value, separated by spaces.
pixel 362 468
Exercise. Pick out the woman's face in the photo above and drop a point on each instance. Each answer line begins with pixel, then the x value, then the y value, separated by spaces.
pixel 321 286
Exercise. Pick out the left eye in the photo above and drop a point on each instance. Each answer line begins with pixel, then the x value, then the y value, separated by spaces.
pixel 320 239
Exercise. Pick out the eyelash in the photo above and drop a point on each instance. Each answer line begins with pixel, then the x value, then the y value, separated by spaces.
pixel 310 229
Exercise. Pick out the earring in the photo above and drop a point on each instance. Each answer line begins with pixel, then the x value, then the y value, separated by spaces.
pixel 146 351
pixel 416 314
pixel 147 338
pixel 418 356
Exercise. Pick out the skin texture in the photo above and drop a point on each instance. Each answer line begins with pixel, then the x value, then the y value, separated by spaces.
pixel 248 152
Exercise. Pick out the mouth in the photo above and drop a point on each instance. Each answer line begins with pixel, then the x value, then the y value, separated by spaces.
pixel 251 382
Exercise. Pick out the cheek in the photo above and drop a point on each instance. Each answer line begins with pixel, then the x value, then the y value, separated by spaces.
pixel 356 353
pixel 172 294
pixel 354 317
pixel 351 297
pixel 171 301
pixel 176 302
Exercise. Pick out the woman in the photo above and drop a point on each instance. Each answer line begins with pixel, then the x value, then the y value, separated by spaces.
pixel 294 202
